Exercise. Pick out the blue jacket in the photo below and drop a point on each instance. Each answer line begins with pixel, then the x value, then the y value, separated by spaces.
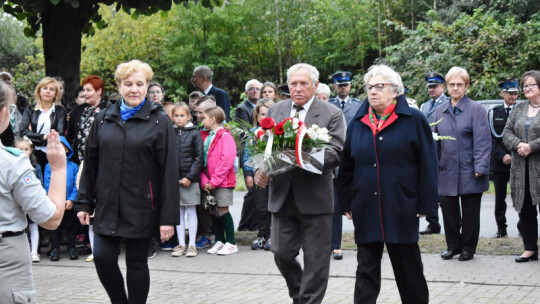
pixel 460 159
pixel 386 179
pixel 72 170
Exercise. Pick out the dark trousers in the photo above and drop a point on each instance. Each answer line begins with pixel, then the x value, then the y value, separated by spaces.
pixel 292 231
pixel 69 225
pixel 204 218
pixel 461 225
pixel 500 181
pixel 528 219
pixel 41 158
pixel 337 222
pixel 106 251
pixel 263 217
pixel 408 271
pixel 248 217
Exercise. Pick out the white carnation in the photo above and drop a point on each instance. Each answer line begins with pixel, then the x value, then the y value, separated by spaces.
pixel 312 133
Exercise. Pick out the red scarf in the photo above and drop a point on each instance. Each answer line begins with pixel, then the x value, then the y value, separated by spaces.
pixel 377 125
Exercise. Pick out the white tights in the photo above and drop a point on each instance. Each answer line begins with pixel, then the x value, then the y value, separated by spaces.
pixel 192 228
pixel 34 237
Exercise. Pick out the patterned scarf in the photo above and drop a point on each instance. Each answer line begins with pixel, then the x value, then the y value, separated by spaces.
pixel 376 124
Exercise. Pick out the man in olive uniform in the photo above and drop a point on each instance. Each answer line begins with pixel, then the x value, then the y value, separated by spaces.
pixel 500 155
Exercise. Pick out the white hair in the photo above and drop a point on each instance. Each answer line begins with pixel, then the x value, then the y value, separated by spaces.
pixel 323 89
pixel 251 82
pixel 388 74
pixel 313 73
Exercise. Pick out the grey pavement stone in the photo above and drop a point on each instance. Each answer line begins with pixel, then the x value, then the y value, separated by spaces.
pixel 252 277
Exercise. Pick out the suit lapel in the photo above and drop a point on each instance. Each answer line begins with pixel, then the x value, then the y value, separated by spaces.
pixel 313 113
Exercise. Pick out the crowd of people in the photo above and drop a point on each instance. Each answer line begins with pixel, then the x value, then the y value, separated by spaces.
pixel 174 169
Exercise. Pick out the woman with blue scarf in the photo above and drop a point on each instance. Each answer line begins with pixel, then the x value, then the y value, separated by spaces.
pixel 130 182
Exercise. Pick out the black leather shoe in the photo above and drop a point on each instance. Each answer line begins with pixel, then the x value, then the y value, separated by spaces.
pixel 533 257
pixel 448 254
pixel 431 230
pixel 55 254
pixel 337 255
pixel 73 253
pixel 466 256
pixel 500 234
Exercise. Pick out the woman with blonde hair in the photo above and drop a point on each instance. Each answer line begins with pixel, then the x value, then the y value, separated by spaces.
pixel 133 192
pixel 44 115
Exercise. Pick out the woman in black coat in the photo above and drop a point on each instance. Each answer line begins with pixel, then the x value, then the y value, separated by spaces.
pixel 45 115
pixel 130 180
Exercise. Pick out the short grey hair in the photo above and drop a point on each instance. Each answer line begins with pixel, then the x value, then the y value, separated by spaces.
pixel 207 101
pixel 313 73
pixel 323 89
pixel 251 83
pixel 388 74
pixel 204 71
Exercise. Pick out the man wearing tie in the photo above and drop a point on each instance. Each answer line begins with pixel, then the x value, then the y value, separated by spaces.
pixel 435 86
pixel 500 155
pixel 348 105
pixel 301 202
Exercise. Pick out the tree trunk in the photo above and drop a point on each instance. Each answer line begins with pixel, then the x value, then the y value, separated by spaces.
pixel 62 33
pixel 278 43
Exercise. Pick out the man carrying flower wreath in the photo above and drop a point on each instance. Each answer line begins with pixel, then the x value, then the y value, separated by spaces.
pixel 301 202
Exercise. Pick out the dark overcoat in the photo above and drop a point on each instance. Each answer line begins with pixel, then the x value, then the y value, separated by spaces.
pixel 130 173
pixel 386 179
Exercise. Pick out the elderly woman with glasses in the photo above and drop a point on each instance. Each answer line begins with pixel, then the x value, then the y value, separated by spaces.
pixel 463 165
pixel 522 136
pixel 387 180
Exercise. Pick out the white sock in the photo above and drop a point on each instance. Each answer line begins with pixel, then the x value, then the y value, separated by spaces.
pixel 181 229
pixel 34 237
pixel 192 224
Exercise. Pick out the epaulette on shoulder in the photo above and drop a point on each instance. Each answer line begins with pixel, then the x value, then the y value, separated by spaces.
pixel 14 151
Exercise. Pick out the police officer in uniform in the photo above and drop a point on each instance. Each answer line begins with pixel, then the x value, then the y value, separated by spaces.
pixel 348 105
pixel 21 193
pixel 500 155
pixel 435 86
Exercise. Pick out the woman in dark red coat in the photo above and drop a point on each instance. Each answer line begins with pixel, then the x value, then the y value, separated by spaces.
pixel 387 180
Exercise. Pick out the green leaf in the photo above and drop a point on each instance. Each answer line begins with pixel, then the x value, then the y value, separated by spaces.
pixel 55 2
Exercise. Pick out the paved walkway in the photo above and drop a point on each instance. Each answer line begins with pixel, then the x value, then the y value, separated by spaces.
pixel 251 277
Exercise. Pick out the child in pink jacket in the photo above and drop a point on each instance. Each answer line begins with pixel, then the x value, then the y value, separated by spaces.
pixel 218 178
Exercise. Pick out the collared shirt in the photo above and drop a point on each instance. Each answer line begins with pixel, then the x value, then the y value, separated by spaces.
pixel 301 114
pixel 21 193
pixel 207 89
pixel 44 124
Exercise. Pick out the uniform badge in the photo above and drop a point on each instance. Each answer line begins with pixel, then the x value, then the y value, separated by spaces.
pixel 29 178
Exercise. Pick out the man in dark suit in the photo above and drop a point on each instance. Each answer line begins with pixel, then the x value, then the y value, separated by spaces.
pixel 348 105
pixel 301 202
pixel 500 155
pixel 202 79
pixel 435 86
pixel 243 115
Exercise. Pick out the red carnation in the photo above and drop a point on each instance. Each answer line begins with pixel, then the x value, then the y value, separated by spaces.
pixel 279 130
pixel 260 133
pixel 267 123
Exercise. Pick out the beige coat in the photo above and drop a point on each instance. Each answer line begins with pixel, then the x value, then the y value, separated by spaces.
pixel 514 133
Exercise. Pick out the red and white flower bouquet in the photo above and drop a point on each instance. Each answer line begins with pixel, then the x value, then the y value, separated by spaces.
pixel 277 148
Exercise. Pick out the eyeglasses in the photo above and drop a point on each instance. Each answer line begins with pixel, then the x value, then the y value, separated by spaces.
pixel 456 85
pixel 154 92
pixel 378 86
pixel 529 86
pixel 254 89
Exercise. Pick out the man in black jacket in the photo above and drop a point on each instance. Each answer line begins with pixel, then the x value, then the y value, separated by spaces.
pixel 500 155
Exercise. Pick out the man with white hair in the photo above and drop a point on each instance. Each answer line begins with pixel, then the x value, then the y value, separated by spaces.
pixel 302 203
pixel 253 93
